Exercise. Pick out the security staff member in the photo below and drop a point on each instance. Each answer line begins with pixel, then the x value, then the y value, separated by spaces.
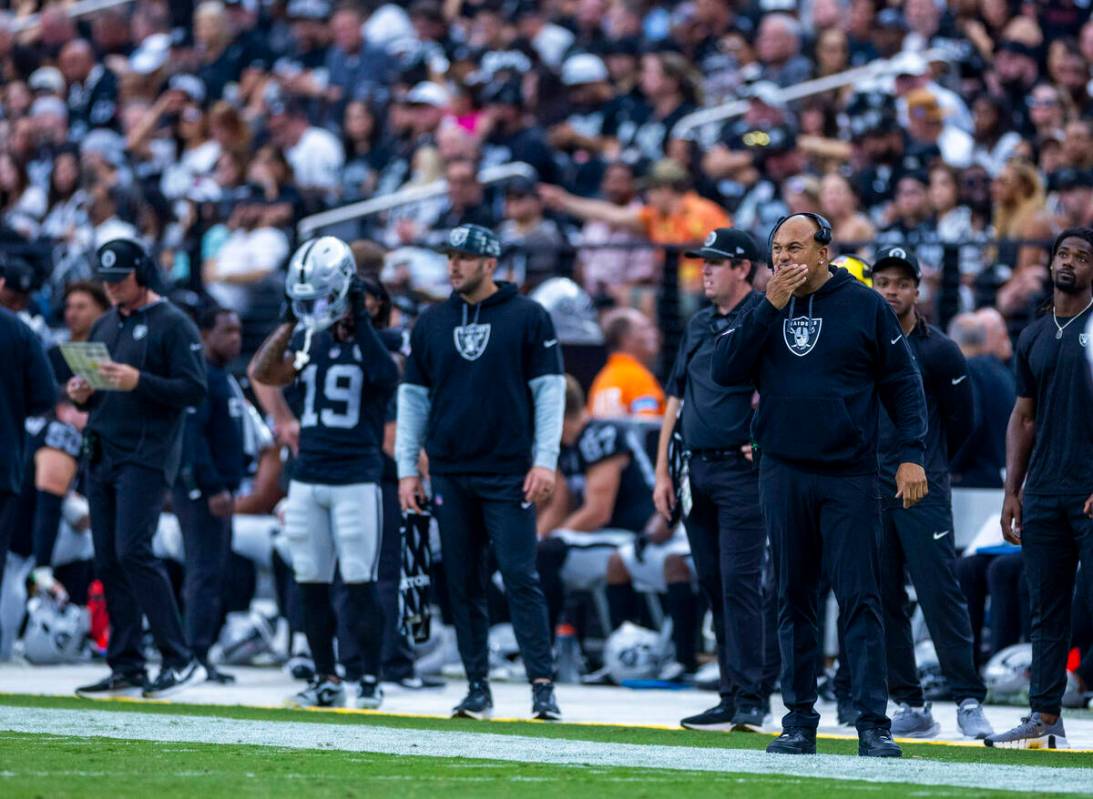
pixel 724 526
pixel 212 470
pixel 26 389
pixel 919 540
pixel 824 351
pixel 1048 508
pixel 485 392
pixel 134 434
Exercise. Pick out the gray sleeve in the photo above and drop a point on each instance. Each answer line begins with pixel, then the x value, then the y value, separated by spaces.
pixel 548 392
pixel 413 418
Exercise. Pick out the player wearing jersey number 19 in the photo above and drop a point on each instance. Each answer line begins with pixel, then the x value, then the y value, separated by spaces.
pixel 333 512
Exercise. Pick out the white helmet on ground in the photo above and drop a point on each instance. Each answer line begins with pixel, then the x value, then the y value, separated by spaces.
pixel 633 653
pixel 56 633
pixel 318 279
pixel 1007 675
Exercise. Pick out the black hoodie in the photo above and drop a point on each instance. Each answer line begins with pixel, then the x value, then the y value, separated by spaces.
pixel 476 362
pixel 821 364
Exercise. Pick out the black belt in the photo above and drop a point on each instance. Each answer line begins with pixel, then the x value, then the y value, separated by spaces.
pixel 716 455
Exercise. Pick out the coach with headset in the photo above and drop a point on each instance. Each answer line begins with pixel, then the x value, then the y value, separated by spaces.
pixel 134 443
pixel 824 351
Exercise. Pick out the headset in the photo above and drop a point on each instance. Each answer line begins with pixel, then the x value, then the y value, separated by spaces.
pixel 822 236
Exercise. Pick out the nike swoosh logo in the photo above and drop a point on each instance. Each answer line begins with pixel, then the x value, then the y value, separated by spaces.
pixel 526 505
pixel 958 380
pixel 727 332
pixel 897 338
pixel 939 536
pixel 550 343
pixel 195 347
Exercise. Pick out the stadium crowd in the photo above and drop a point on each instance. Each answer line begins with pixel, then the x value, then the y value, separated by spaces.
pixel 207 133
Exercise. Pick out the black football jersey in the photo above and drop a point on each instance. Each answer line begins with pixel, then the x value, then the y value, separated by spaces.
pixel 341 414
pixel 600 440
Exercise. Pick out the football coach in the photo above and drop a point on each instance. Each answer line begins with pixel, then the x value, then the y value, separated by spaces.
pixel 824 351
pixel 134 442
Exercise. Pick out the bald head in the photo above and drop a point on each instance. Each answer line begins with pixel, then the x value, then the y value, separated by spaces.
pixel 998 341
pixel 76 60
pixel 795 242
pixel 969 333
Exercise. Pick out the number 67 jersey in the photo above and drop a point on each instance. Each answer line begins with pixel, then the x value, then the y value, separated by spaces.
pixel 341 411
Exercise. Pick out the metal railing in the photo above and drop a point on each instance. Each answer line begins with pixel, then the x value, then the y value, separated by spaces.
pixel 309 225
pixel 691 126
pixel 80 9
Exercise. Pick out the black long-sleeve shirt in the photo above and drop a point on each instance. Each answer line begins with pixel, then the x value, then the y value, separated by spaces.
pixel 27 388
pixel 823 364
pixel 950 412
pixel 212 452
pixel 144 426
pixel 981 462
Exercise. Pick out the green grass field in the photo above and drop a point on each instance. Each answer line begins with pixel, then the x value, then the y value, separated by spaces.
pixel 33 765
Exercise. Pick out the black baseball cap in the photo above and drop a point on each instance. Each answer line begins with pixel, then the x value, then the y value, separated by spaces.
pixel 898 256
pixel 19 276
pixel 726 244
pixel 473 240
pixel 117 258
pixel 1069 178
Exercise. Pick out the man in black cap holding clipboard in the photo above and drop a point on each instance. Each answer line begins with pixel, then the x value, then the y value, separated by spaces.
pixel 134 437
pixel 723 520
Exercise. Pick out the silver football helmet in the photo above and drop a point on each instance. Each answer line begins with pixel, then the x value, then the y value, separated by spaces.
pixel 318 280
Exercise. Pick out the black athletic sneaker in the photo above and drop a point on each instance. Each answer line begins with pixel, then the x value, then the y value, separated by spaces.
pixel 716 719
pixel 877 743
pixel 748 719
pixel 543 705
pixel 320 692
pixel 794 741
pixel 115 685
pixel 369 694
pixel 215 675
pixel 171 680
pixel 477 704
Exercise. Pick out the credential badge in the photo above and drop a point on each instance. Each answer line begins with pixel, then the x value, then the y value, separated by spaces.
pixel 801 334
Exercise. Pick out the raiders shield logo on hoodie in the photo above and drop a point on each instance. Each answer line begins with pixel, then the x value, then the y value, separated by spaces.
pixel 801 334
pixel 471 340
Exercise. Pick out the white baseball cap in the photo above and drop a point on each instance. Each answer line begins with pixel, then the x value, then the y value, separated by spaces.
pixel 583 68
pixel 428 93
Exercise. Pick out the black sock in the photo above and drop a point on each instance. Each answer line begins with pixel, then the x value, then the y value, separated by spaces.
pixel 366 621
pixel 47 524
pixel 319 625
pixel 683 608
pixel 620 604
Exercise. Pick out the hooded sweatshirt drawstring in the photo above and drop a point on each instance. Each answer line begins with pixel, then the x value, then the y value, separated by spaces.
pixel 477 310
pixel 792 306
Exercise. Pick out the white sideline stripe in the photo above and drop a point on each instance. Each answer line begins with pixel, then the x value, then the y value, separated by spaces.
pixel 525 749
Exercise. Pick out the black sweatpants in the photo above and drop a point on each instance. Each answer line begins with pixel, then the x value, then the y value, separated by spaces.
pixel 1055 537
pixel 813 519
pixel 728 543
pixel 474 511
pixel 207 542
pixel 919 540
pixel 125 502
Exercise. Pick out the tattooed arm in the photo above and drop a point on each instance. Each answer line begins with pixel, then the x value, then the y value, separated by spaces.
pixel 273 365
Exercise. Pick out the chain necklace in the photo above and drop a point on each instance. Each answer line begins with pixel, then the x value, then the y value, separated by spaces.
pixel 1061 328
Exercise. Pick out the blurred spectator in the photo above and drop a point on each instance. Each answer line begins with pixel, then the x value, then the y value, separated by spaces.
pixel 315 153
pixel 912 73
pixel 778 47
pixel 913 221
pixel 92 89
pixel 22 205
pixel 1075 194
pixel 673 213
pixel 981 462
pixel 533 247
pixel 839 205
pixel 994 144
pixel 671 89
pixel 616 273
pixel 242 253
pixel 625 386
pixel 954 220
pixel 1019 213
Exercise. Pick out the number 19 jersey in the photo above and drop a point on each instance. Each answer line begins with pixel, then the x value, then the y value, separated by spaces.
pixel 341 414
